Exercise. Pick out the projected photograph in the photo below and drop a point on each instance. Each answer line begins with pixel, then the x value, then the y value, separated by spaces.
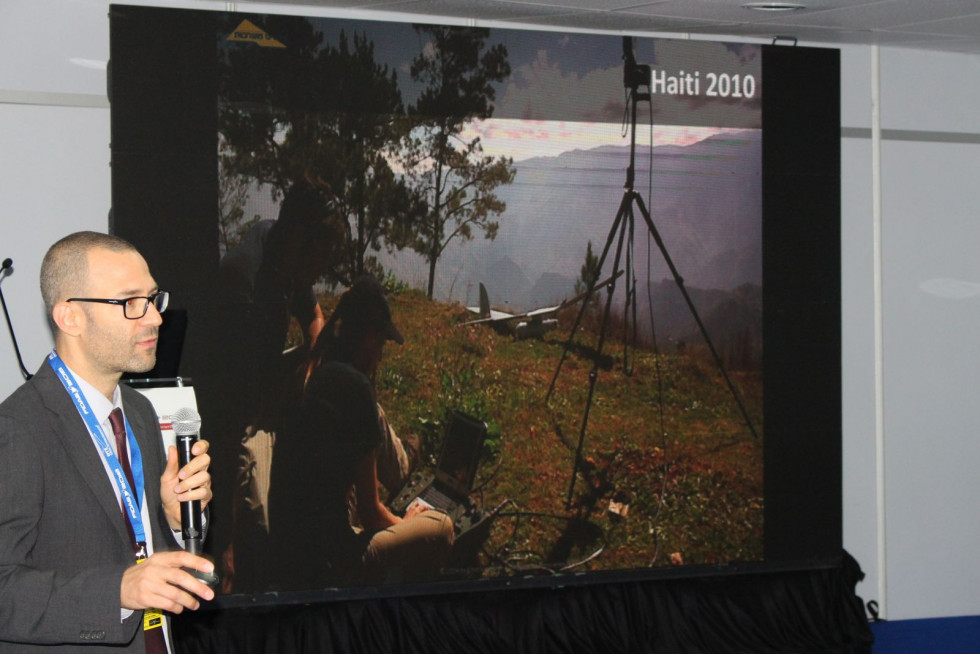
pixel 497 302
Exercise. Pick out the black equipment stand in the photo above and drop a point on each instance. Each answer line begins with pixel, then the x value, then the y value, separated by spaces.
pixel 5 270
pixel 634 75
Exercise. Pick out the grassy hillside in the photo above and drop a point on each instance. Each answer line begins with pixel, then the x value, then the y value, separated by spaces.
pixel 669 440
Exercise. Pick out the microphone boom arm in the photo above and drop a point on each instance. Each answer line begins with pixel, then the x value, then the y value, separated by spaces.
pixel 7 263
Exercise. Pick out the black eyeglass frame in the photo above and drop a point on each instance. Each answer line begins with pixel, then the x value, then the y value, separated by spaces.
pixel 155 299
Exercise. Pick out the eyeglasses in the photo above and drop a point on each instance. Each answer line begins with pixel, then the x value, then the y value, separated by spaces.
pixel 134 308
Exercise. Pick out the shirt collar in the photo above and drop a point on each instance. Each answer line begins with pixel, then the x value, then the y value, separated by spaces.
pixel 98 404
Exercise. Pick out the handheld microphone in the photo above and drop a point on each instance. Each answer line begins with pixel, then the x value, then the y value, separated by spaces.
pixel 187 428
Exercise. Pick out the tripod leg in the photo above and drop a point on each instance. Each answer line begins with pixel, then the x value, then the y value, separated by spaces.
pixel 625 236
pixel 629 310
pixel 624 206
pixel 694 312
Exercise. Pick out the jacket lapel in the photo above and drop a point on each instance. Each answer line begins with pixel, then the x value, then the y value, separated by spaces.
pixel 74 435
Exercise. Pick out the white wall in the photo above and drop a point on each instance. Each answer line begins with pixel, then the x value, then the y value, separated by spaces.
pixel 911 300
pixel 931 310
pixel 857 316
pixel 54 179
pixel 54 159
pixel 909 414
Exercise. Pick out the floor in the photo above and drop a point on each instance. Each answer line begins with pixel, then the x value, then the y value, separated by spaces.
pixel 932 636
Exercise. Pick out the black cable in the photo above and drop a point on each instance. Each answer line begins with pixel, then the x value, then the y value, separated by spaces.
pixel 4 270
pixel 505 561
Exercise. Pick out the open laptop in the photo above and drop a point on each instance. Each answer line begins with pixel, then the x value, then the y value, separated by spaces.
pixel 448 487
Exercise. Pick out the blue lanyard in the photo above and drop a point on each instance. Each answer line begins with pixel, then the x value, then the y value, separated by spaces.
pixel 131 502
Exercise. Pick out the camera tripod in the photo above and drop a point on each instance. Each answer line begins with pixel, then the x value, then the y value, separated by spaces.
pixel 621 232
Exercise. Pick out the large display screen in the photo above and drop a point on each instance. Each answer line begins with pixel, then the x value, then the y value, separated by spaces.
pixel 611 265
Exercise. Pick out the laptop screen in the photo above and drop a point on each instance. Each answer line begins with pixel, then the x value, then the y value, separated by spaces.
pixel 460 454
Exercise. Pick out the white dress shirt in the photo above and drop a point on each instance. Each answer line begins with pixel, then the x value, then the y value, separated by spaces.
pixel 101 407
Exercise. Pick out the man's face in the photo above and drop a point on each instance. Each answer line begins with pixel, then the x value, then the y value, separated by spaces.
pixel 112 343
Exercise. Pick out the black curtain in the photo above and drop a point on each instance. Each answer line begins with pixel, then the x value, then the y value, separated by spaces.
pixel 806 611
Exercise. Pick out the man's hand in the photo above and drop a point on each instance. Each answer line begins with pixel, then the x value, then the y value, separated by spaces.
pixel 192 482
pixel 159 583
pixel 415 508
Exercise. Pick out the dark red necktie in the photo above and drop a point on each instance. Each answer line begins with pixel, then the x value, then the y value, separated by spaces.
pixel 155 643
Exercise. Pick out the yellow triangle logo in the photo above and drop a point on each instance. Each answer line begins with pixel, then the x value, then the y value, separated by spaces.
pixel 247 31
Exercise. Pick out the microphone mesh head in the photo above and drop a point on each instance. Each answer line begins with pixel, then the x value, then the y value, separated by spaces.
pixel 186 421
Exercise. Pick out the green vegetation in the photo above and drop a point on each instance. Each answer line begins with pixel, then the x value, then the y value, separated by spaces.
pixel 691 474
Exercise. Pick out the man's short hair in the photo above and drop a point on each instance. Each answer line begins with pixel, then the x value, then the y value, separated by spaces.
pixel 64 270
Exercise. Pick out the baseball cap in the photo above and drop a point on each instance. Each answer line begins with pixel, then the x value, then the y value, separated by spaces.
pixel 364 306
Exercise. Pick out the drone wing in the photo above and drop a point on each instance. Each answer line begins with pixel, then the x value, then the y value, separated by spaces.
pixel 485 312
pixel 488 315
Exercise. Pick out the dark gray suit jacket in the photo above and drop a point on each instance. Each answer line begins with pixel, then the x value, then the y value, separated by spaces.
pixel 63 540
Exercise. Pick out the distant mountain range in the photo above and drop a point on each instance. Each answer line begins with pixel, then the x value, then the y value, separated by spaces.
pixel 705 200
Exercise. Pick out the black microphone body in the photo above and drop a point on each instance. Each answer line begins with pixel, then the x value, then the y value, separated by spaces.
pixel 187 428
pixel 191 529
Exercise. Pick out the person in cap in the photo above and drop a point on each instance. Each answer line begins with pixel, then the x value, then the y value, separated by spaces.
pixel 327 523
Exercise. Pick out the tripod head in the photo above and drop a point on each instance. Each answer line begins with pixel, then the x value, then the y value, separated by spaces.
pixel 634 74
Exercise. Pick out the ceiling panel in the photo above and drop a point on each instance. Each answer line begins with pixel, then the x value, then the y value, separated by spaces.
pixel 731 11
pixel 477 9
pixel 626 22
pixel 880 15
pixel 952 25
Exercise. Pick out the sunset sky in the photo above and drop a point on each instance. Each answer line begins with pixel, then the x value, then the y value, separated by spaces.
pixel 524 139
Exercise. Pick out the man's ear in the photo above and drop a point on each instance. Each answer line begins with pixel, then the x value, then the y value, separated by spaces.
pixel 68 317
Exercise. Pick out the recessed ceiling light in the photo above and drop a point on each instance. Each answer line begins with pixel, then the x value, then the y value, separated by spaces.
pixel 774 6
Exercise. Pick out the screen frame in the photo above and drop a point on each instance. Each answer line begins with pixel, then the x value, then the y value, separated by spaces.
pixel 164 182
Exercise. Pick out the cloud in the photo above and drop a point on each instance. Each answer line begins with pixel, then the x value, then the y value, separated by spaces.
pixel 541 90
